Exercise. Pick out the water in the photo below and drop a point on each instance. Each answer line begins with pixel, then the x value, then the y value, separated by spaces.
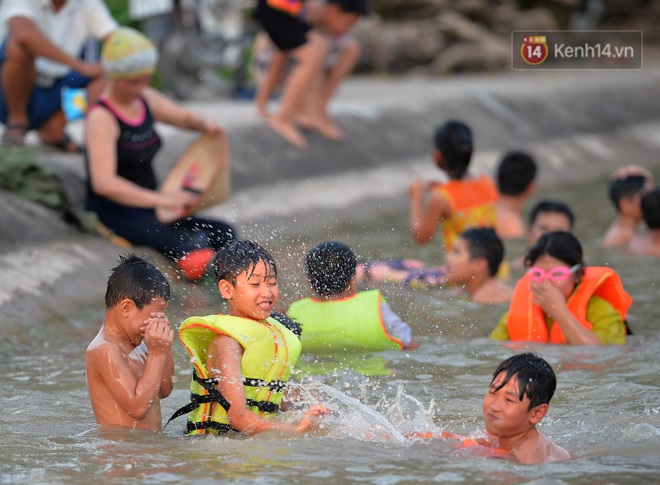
pixel 606 408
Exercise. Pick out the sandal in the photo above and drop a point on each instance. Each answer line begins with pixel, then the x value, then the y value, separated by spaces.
pixel 65 144
pixel 14 135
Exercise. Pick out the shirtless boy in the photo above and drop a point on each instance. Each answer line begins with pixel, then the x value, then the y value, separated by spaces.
pixel 129 363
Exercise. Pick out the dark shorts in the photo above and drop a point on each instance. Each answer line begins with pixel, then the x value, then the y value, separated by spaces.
pixel 286 31
pixel 44 101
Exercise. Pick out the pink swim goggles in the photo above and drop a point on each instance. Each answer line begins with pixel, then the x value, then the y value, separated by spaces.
pixel 556 274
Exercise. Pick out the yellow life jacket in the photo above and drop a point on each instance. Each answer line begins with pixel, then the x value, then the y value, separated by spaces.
pixel 292 7
pixel 349 324
pixel 471 204
pixel 526 321
pixel 270 350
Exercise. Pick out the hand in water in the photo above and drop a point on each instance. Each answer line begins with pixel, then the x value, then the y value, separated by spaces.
pixel 312 417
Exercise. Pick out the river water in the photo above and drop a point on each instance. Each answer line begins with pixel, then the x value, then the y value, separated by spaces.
pixel 606 409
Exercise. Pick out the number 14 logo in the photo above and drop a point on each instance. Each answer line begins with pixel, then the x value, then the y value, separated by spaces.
pixel 534 49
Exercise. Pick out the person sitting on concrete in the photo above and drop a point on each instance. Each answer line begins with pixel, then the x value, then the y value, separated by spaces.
pixel 121 145
pixel 342 58
pixel 473 263
pixel 40 55
pixel 627 184
pixel 338 318
pixel 647 242
pixel 303 103
pixel 515 185
pixel 465 201
pixel 546 216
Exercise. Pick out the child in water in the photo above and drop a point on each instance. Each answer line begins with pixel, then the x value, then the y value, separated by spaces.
pixel 647 242
pixel 473 263
pixel 517 400
pixel 560 300
pixel 465 201
pixel 339 319
pixel 515 185
pixel 129 363
pixel 242 361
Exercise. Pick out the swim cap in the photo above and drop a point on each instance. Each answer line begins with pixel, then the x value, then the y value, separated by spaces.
pixel 128 53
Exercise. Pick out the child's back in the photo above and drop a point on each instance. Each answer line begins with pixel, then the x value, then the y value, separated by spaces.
pixel 465 201
pixel 339 319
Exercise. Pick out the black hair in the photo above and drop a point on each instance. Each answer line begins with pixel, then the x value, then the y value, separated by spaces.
pixel 545 206
pixel 330 266
pixel 515 173
pixel 483 242
pixel 651 208
pixel 137 279
pixel 535 377
pixel 561 245
pixel 454 141
pixel 241 256
pixel 625 187
pixel 352 6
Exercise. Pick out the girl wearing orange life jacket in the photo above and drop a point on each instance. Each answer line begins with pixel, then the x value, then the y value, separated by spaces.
pixel 464 202
pixel 559 300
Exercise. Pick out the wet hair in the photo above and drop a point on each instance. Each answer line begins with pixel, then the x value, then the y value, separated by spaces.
pixel 545 206
pixel 454 141
pixel 626 187
pixel 136 279
pixel 351 6
pixel 515 173
pixel 535 377
pixel 561 245
pixel 651 208
pixel 241 256
pixel 483 242
pixel 330 266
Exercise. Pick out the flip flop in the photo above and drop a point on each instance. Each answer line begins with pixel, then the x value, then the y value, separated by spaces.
pixel 14 135
pixel 65 144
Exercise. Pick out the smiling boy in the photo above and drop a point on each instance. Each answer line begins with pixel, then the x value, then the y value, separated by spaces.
pixel 242 361
pixel 517 400
pixel 129 364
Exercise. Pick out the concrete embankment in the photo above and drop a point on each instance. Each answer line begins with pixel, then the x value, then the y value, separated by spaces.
pixel 579 125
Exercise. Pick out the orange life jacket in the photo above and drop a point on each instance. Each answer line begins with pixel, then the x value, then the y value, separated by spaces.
pixel 526 321
pixel 292 7
pixel 471 204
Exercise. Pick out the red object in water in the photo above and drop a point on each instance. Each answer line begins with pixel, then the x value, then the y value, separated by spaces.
pixel 193 265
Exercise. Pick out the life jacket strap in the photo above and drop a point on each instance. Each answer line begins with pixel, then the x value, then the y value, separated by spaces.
pixel 275 386
pixel 264 406
pixel 221 428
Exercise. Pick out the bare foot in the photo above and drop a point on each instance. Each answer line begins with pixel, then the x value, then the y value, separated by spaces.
pixel 323 126
pixel 288 131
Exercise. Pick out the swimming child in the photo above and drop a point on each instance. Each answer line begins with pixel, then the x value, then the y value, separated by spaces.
pixel 560 300
pixel 129 363
pixel 338 318
pixel 647 242
pixel 473 263
pixel 515 185
pixel 464 202
pixel 242 361
pixel 546 216
pixel 627 185
pixel 517 400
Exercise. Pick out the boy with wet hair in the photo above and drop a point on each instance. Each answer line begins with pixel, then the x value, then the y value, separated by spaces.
pixel 546 216
pixel 647 242
pixel 625 191
pixel 473 263
pixel 517 400
pixel 129 363
pixel 339 318
pixel 242 360
pixel 515 184
pixel 465 201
